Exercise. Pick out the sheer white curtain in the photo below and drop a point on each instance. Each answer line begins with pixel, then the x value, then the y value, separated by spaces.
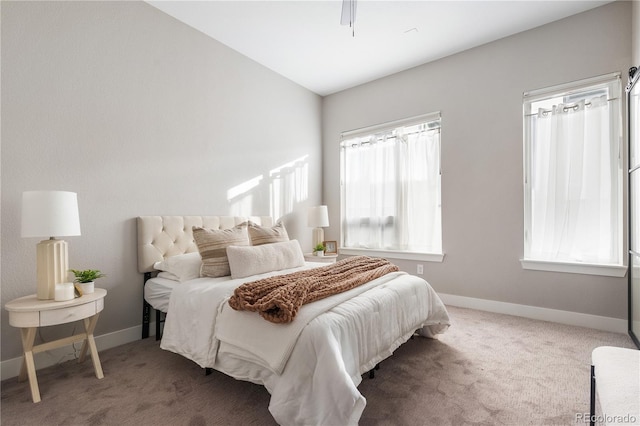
pixel 391 191
pixel 575 197
pixel 422 213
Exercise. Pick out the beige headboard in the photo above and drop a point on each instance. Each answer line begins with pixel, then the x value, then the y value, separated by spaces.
pixel 160 237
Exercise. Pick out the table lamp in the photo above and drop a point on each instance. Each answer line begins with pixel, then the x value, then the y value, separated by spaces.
pixel 318 218
pixel 50 214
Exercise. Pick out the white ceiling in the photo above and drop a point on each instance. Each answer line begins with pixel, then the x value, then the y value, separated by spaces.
pixel 304 41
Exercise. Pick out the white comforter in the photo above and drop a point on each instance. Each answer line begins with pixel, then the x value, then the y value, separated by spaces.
pixel 313 371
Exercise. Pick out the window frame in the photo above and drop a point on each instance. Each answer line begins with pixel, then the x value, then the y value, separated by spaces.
pixel 566 90
pixel 379 128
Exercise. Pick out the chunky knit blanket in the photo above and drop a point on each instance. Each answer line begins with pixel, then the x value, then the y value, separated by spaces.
pixel 278 299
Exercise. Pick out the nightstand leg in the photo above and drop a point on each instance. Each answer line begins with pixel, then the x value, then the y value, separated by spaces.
pixel 28 365
pixel 90 343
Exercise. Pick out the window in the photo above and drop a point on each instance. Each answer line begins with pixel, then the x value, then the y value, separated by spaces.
pixel 573 178
pixel 390 189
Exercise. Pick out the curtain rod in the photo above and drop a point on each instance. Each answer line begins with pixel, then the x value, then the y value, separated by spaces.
pixel 391 124
pixel 567 107
pixel 436 130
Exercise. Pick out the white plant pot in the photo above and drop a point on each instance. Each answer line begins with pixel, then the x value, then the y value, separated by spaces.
pixel 320 253
pixel 87 288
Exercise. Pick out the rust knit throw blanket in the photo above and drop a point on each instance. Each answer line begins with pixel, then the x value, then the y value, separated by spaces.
pixel 278 299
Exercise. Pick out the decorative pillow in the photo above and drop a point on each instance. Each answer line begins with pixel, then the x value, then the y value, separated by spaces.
pixel 247 261
pixel 266 235
pixel 212 245
pixel 182 267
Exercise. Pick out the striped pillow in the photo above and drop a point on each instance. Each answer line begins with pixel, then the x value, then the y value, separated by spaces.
pixel 212 245
pixel 264 235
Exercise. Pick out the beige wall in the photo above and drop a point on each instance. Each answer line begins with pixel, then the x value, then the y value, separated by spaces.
pixel 139 114
pixel 479 93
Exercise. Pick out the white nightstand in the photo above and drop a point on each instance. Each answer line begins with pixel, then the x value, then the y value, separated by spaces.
pixel 327 258
pixel 28 313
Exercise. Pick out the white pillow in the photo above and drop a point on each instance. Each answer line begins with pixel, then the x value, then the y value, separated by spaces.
pixel 183 266
pixel 245 261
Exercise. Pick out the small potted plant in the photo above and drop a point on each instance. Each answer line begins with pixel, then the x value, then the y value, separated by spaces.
pixel 86 278
pixel 319 249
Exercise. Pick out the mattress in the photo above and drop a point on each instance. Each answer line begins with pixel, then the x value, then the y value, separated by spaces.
pixel 157 292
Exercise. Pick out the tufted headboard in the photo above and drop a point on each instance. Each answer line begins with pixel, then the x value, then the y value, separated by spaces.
pixel 160 237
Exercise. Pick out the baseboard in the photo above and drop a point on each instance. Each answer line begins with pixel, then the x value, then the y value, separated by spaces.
pixel 11 367
pixel 614 325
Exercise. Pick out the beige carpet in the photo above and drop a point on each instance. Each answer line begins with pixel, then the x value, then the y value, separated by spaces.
pixel 487 369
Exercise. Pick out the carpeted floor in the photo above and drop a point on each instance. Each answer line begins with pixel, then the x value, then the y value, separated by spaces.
pixel 487 369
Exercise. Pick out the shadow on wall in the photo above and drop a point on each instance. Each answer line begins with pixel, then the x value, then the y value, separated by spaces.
pixel 287 185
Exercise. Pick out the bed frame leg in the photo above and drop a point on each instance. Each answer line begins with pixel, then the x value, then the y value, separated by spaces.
pixel 146 315
pixel 158 325
pixel 592 406
pixel 372 372
pixel 146 310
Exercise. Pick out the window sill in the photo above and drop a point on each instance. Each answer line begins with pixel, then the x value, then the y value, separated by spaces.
pixel 575 268
pixel 427 257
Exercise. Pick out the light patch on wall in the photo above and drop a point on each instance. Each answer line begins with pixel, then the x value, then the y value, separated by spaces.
pixel 240 197
pixel 289 185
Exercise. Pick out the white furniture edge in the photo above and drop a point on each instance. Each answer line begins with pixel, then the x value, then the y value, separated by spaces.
pixel 11 367
pixel 615 375
pixel 26 303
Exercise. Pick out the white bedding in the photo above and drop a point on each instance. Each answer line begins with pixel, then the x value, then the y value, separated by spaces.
pixel 251 337
pixel 316 382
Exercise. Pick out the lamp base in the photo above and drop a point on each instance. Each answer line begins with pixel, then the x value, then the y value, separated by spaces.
pixel 317 236
pixel 53 265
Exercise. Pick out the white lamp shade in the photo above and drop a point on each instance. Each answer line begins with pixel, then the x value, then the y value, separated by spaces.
pixel 318 217
pixel 50 214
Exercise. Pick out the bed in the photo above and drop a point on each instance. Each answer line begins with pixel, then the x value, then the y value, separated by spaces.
pixel 311 365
